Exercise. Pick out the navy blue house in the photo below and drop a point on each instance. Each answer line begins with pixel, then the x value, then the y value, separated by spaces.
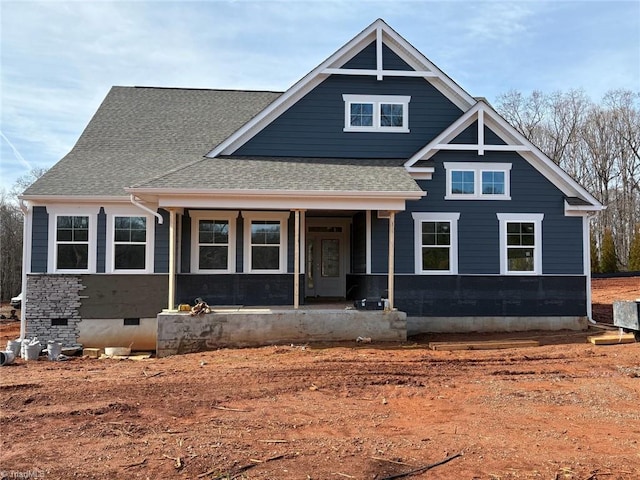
pixel 375 175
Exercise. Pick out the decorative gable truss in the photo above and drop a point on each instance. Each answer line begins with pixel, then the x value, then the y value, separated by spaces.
pixel 378 32
pixel 578 200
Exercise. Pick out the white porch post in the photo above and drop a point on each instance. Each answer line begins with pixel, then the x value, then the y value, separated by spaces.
pixel 172 260
pixel 296 261
pixel 392 228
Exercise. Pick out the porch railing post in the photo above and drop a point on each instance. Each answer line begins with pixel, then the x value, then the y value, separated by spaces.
pixel 392 228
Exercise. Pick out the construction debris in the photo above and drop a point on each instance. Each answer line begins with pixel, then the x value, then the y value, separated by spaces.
pixel 483 345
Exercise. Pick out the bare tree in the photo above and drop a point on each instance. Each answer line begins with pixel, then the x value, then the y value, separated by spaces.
pixel 597 144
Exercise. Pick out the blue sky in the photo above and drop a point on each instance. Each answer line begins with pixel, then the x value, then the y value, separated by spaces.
pixel 58 59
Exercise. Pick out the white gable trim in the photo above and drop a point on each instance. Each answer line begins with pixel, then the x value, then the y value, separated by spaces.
pixel 515 142
pixel 381 33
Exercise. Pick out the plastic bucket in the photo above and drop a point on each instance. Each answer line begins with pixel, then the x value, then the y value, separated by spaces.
pixel 31 351
pixel 54 349
pixel 14 346
pixel 7 358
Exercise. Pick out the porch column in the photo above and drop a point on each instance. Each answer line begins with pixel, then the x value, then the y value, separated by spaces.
pixel 172 260
pixel 392 228
pixel 296 261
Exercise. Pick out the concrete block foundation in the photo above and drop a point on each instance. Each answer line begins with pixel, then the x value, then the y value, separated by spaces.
pixel 182 333
pixel 417 325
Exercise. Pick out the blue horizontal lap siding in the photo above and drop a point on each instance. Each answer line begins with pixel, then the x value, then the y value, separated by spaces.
pixel 313 127
pixel 478 227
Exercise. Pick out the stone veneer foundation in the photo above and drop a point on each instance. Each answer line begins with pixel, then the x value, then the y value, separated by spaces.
pixel 53 307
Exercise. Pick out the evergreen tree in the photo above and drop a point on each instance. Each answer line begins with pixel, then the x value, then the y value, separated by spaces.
pixel 634 250
pixel 595 254
pixel 609 259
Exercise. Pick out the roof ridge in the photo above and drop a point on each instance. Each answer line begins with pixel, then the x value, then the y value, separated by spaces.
pixel 197 89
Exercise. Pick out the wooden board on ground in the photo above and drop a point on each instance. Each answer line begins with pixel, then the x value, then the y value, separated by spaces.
pixel 612 339
pixel 483 345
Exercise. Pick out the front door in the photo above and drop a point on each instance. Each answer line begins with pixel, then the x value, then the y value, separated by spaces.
pixel 326 258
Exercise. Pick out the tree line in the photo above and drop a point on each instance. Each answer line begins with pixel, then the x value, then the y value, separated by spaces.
pixel 598 144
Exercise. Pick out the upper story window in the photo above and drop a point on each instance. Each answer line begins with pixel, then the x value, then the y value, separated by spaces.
pixel 376 113
pixel 478 181
pixel 72 239
pixel 213 248
pixel 436 242
pixel 265 242
pixel 520 243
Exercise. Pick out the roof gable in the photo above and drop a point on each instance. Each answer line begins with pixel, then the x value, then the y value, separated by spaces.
pixel 401 54
pixel 510 140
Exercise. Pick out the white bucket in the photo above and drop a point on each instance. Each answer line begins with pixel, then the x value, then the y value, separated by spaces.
pixel 7 358
pixel 14 346
pixel 54 349
pixel 31 351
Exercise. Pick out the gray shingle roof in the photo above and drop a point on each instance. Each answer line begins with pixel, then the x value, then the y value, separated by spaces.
pixel 139 132
pixel 280 173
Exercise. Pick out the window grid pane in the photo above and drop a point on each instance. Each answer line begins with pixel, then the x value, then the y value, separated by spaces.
pixel 493 183
pixel 361 114
pixel 520 246
pixel 391 114
pixel 265 232
pixel 462 182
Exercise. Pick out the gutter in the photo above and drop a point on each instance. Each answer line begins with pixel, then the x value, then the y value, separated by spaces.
pixel 133 200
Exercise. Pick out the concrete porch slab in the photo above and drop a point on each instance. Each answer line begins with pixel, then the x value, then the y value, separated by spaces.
pixel 255 326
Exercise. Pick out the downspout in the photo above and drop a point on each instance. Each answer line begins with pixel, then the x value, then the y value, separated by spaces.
pixel 587 262
pixel 133 200
pixel 26 263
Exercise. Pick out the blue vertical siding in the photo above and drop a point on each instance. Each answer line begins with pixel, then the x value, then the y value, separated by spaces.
pixel 185 244
pixel 359 243
pixel 39 239
pixel 101 249
pixel 239 244
pixel 161 247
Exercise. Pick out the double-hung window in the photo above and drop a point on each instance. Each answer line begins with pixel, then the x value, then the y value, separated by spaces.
pixel 213 243
pixel 376 113
pixel 72 242
pixel 130 240
pixel 477 181
pixel 436 242
pixel 265 242
pixel 520 243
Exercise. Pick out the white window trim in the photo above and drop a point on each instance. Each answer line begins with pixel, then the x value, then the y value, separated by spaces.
pixel 197 215
pixel 129 211
pixel 452 218
pixel 63 210
pixel 283 218
pixel 478 168
pixel 376 100
pixel 535 218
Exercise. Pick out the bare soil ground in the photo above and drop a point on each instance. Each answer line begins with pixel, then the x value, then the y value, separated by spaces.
pixel 564 410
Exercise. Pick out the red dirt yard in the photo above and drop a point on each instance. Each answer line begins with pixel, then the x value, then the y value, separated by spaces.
pixel 564 410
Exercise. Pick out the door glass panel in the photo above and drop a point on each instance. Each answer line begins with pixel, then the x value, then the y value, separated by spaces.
pixel 330 257
pixel 310 283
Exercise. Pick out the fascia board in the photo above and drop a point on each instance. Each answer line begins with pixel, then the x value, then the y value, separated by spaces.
pixel 91 199
pixel 290 201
